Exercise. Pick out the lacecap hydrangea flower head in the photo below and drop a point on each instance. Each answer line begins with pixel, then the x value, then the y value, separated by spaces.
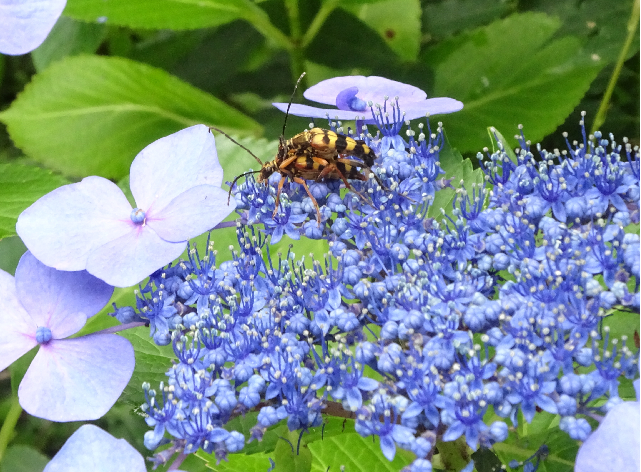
pixel 409 322
pixel 69 379
pixel 422 301
pixel 91 226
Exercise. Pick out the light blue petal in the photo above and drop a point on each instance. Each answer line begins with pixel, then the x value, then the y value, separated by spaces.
pixel 26 23
pixel 91 448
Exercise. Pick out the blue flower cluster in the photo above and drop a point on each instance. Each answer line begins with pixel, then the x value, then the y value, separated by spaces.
pixel 492 307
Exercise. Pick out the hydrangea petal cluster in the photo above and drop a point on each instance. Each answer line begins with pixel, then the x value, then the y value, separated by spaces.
pixel 26 23
pixel 354 96
pixel 69 379
pixel 91 226
pixel 420 326
pixel 91 448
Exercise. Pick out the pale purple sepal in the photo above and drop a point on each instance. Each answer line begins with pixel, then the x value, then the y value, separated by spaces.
pixel 26 23
pixel 172 165
pixel 431 106
pixel 372 88
pixel 334 114
pixel 18 333
pixel 92 449
pixel 77 379
pixel 191 213
pixel 129 259
pixel 88 225
pixel 352 94
pixel 61 301
pixel 64 226
pixel 615 445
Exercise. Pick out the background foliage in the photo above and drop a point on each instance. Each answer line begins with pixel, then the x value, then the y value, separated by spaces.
pixel 114 76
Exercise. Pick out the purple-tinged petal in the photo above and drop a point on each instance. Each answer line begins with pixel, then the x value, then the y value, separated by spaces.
pixel 277 234
pixel 18 333
pixel 313 112
pixel 454 432
pixel 413 410
pixel 367 384
pixel 354 398
pixel 191 213
pixel 615 443
pixel 369 88
pixel 388 447
pixel 92 449
pixel 77 379
pixel 402 434
pixel 63 227
pixel 127 260
pixel 547 404
pixel 173 164
pixel 26 23
pixel 431 106
pixel 59 300
pixel 292 231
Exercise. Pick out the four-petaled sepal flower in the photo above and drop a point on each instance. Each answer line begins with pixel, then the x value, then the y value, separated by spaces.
pixel 91 226
pixel 69 379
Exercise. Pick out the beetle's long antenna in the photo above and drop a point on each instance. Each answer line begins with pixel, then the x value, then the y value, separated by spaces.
pixel 236 142
pixel 290 101
pixel 231 187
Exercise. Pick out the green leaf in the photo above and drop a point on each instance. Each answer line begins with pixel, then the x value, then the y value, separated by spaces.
pixel 457 170
pixel 243 424
pixel 496 135
pixel 214 63
pixel 157 14
pixel 68 38
pixel 22 458
pixel 446 18
pixel 398 22
pixel 337 35
pixel 511 73
pixel 11 250
pixel 290 458
pixel 623 323
pixel 356 453
pixel 454 455
pixel 603 27
pixel 486 461
pixel 20 186
pixel 236 160
pixel 349 3
pixel 152 362
pixel 562 449
pixel 89 115
pixel 19 368
pixel 258 462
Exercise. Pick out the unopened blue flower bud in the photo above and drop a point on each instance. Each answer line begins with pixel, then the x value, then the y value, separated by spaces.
pixel 499 431
pixel 137 216
pixel 43 335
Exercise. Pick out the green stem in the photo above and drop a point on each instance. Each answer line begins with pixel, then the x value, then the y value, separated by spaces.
pixel 296 54
pixel 326 8
pixel 294 19
pixel 599 119
pixel 10 421
pixel 260 20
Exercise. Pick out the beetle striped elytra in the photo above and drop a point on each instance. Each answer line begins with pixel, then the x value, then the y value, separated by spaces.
pixel 316 154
